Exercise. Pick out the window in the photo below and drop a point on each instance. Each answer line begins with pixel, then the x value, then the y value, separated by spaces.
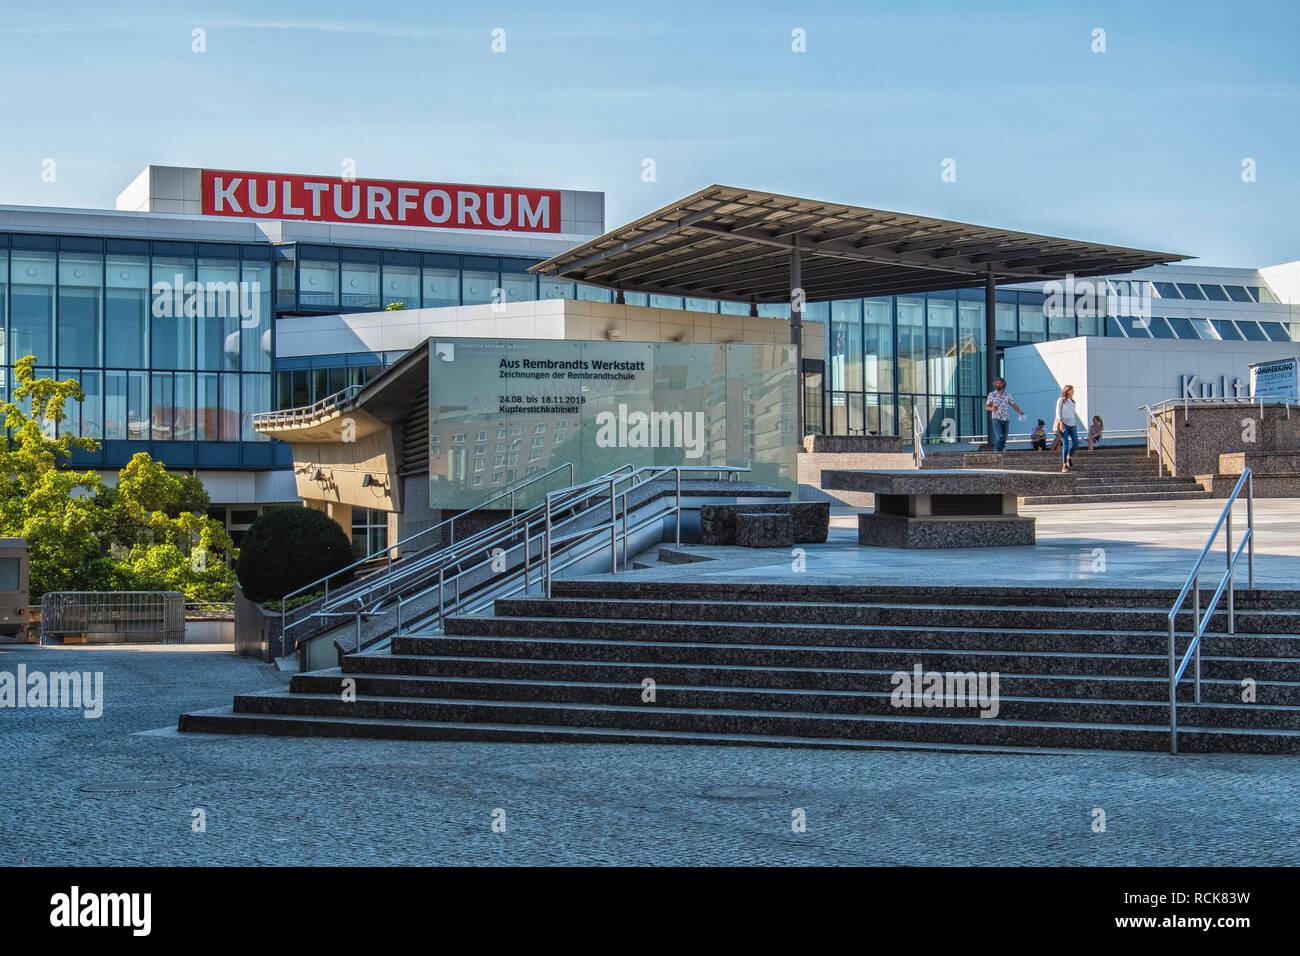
pixel 218 320
pixel 1264 295
pixel 255 316
pixel 1166 290
pixel 318 278
pixel 591 293
pixel 477 286
pixel 360 279
pixel 441 287
pixel 9 571
pixel 125 396
pixel 1251 331
pixel 1237 293
pixel 402 284
pixel 1183 328
pixel 1214 292
pixel 1276 331
pixel 1033 323
pixel 173 333
pixel 81 306
pixel 31 296
pixel 1134 328
pixel 519 286
pixel 256 398
pixel 1191 290
pixel 548 289
pixel 126 311
pixel 1160 328
pixel 369 532
pixel 480 436
pixel 1227 330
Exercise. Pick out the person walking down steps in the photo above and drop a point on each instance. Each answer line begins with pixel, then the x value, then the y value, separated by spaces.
pixel 1067 427
pixel 1000 404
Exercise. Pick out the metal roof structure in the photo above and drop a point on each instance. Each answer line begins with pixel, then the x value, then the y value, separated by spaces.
pixel 729 243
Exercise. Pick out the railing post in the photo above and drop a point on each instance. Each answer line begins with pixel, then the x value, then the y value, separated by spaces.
pixel 678 473
pixel 397 632
pixel 613 529
pixel 1232 623
pixel 546 549
pixel 528 547
pixel 358 631
pixel 1196 603
pixel 1250 526
pixel 1173 691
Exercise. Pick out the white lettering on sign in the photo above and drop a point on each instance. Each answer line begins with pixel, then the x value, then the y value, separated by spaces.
pixel 379 202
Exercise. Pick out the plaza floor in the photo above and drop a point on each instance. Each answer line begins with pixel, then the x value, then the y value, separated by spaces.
pixel 1125 544
pixel 124 788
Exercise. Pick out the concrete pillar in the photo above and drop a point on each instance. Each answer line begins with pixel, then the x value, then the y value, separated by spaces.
pixel 342 515
pixel 990 344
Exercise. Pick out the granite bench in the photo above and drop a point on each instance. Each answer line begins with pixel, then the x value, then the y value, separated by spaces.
pixel 810 520
pixel 947 508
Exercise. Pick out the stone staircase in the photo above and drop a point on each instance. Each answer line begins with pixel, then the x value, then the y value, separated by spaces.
pixel 1115 473
pixel 806 665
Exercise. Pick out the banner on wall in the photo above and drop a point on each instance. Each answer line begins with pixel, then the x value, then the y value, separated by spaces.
pixel 1279 379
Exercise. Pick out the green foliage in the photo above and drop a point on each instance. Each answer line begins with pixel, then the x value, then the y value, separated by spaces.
pixel 395 307
pixel 149 532
pixel 289 548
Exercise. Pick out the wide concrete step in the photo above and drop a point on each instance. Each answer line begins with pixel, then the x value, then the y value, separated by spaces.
pixel 1083 499
pixel 818 656
pixel 1124 485
pixel 810 592
pixel 776 621
pixel 997 702
pixel 931 725
pixel 1151 688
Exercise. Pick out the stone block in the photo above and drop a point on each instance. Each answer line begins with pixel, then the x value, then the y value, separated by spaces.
pixel 899 531
pixel 768 530
pixel 810 520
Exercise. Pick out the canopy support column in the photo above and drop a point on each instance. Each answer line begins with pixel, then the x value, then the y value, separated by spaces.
pixel 796 337
pixel 990 345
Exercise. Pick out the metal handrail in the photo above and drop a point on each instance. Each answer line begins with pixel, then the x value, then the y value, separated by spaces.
pixel 307 412
pixel 540 525
pixel 455 553
pixel 387 550
pixel 1158 424
pixel 1201 621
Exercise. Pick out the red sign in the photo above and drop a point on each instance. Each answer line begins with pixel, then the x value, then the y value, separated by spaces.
pixel 379 202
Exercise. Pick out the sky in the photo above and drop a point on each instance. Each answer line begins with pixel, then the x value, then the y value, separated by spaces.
pixel 1176 129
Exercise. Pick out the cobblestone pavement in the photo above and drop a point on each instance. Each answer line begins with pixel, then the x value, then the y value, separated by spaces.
pixel 281 801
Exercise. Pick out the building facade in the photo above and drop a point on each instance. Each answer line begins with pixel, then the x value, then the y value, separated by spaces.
pixel 321 283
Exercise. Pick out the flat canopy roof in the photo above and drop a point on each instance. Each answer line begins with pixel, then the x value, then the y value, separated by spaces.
pixel 728 243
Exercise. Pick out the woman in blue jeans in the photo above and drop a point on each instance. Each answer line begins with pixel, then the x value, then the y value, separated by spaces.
pixel 1067 426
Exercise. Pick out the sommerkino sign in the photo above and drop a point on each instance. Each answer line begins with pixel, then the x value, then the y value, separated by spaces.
pixel 379 202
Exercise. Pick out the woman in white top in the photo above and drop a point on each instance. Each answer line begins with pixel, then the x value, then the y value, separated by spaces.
pixel 1067 426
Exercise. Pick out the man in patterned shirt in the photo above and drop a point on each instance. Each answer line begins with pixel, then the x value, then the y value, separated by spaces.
pixel 1000 404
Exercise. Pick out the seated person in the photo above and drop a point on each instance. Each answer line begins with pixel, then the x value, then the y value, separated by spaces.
pixel 1039 436
pixel 1094 432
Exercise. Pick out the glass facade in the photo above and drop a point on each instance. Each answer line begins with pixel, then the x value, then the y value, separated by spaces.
pixel 174 341
pixel 171 341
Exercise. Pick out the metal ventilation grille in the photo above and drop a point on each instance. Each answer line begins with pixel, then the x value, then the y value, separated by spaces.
pixel 415 437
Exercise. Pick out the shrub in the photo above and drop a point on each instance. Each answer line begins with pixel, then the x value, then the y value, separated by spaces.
pixel 287 548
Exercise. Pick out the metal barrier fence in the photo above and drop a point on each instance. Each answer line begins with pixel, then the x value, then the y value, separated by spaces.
pixel 114 612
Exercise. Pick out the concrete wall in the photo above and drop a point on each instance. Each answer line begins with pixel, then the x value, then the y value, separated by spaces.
pixel 545 319
pixel 1113 377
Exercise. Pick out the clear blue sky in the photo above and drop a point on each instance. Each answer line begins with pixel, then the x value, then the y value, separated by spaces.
pixel 1140 145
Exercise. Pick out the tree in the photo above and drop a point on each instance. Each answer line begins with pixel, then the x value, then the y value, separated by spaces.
pixel 289 548
pixel 149 532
